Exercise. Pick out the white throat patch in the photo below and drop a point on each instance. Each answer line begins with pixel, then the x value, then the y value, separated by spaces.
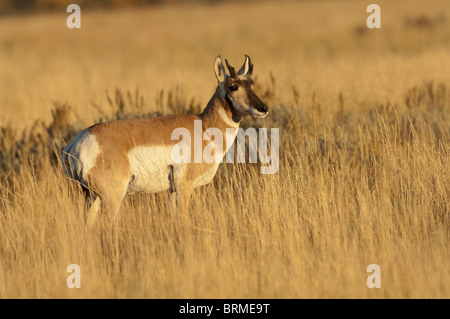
pixel 227 119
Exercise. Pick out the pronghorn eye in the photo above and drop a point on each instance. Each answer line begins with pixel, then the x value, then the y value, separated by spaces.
pixel 233 88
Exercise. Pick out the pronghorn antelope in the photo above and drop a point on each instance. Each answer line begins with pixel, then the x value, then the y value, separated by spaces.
pixel 134 155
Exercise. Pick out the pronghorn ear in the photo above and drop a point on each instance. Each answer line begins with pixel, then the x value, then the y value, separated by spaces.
pixel 247 68
pixel 219 69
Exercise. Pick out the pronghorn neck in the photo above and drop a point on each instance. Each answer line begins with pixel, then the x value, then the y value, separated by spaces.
pixel 218 113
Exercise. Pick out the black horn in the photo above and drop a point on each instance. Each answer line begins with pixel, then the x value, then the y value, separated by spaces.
pixel 231 69
pixel 247 68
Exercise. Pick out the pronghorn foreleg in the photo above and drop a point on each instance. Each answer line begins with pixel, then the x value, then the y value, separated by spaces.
pixel 180 191
pixel 172 192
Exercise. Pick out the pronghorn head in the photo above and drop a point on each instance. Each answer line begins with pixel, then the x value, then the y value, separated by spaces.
pixel 237 89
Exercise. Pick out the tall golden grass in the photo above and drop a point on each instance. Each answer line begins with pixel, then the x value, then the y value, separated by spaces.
pixel 364 152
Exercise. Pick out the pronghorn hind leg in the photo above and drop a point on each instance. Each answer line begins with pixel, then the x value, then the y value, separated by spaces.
pixel 111 184
pixel 113 207
pixel 91 205
pixel 93 212
pixel 108 200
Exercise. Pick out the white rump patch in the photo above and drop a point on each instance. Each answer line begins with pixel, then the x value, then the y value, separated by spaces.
pixel 81 153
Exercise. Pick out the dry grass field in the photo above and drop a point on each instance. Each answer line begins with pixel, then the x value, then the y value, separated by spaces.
pixel 364 175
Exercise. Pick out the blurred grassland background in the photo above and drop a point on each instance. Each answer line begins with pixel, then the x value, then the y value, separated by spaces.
pixel 364 118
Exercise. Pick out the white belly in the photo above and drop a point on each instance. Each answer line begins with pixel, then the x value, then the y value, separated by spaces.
pixel 150 168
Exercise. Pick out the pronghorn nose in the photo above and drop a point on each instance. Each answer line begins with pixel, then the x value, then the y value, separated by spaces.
pixel 264 108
